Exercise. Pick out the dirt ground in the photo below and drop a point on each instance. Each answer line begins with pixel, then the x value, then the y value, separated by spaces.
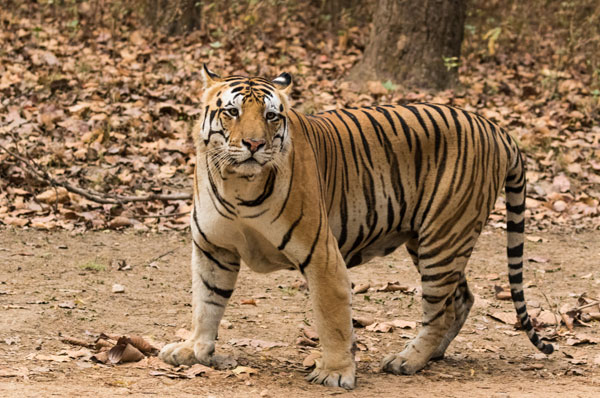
pixel 54 285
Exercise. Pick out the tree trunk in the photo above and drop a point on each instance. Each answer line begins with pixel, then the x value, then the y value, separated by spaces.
pixel 414 43
pixel 173 16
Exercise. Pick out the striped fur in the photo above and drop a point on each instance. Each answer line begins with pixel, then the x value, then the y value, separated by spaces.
pixel 320 193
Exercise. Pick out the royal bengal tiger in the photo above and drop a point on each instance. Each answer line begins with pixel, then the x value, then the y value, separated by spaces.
pixel 325 192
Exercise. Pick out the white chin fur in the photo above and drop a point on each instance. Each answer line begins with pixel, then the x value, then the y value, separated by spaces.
pixel 245 169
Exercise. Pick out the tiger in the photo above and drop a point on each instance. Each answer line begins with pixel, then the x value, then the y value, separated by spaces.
pixel 321 193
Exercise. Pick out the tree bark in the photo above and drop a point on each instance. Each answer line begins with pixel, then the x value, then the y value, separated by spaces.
pixel 413 43
pixel 173 16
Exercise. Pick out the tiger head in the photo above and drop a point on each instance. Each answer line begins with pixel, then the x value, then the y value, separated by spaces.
pixel 244 127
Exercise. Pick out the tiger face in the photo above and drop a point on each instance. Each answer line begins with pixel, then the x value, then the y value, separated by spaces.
pixel 244 128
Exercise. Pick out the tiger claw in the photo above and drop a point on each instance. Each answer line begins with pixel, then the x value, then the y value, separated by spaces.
pixel 344 377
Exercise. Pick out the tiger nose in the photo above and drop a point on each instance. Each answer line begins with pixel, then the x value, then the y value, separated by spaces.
pixel 253 144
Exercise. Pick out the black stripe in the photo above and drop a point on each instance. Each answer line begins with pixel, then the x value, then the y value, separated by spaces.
pixel 211 258
pixel 512 226
pixel 266 193
pixel 289 191
pixel 288 234
pixel 221 292
pixel 312 248
pixel 433 299
pixel 362 136
pixel 515 279
pixel 436 277
pixel 518 209
pixel 517 295
pixel 518 189
pixel 210 302
pixel 516 251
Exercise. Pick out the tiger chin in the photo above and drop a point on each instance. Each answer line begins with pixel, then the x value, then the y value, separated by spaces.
pixel 326 192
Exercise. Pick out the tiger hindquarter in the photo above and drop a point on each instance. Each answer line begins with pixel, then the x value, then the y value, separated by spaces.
pixel 427 175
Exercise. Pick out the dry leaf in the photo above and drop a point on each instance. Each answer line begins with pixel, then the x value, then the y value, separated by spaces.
pixel 244 370
pixel 546 318
pixel 310 333
pixel 76 341
pixel 509 318
pixel 400 324
pixel 124 353
pixel 119 222
pixel 248 302
pixel 60 195
pixel 502 293
pixel 303 341
pixel 383 327
pixel 392 287
pixel 362 321
pixel 311 358
pixel 363 288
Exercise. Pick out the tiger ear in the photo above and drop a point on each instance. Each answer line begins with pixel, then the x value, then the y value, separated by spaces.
pixel 283 82
pixel 208 77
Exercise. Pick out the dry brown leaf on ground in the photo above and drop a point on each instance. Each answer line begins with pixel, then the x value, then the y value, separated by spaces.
pixel 362 288
pixel 392 287
pixel 303 341
pixel 311 358
pixel 509 318
pixel 244 370
pixel 502 293
pixel 402 324
pixel 124 352
pixel 380 327
pixel 546 318
pixel 581 338
pixel 362 320
pixel 76 341
pixel 141 344
pixel 248 302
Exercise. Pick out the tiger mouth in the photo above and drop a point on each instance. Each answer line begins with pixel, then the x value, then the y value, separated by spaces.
pixel 250 162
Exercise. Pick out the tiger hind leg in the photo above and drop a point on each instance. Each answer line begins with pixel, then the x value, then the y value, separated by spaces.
pixel 440 280
pixel 463 302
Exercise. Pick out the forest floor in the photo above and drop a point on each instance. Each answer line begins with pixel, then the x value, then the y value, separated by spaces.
pixel 59 284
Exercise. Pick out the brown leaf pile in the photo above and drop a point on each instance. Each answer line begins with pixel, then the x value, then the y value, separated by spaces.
pixel 109 109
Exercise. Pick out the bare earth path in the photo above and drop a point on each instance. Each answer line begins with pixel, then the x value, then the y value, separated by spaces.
pixel 54 284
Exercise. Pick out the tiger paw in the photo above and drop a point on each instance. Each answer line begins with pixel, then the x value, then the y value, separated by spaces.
pixel 402 364
pixel 188 352
pixel 343 377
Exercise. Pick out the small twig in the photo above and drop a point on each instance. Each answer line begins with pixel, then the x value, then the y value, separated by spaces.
pixel 162 215
pixel 159 257
pixel 97 197
pixel 581 307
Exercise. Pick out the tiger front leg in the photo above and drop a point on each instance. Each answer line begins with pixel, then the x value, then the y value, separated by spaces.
pixel 213 279
pixel 330 294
